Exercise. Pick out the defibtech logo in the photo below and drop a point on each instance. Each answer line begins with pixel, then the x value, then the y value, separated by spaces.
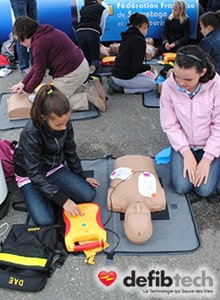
pixel 107 278
pixel 161 282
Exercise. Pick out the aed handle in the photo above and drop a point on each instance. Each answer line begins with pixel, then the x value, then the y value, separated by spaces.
pixel 88 246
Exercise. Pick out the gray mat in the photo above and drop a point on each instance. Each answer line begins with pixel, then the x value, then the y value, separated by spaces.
pixel 6 124
pixel 173 235
pixel 150 99
pixel 153 61
pixel 103 70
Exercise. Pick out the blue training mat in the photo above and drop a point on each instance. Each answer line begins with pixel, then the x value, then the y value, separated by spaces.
pixel 6 124
pixel 153 61
pixel 150 99
pixel 174 232
pixel 103 71
pixel 174 229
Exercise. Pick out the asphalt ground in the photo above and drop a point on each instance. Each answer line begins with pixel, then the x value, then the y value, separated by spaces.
pixel 127 127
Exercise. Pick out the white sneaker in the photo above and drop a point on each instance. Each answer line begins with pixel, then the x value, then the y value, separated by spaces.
pixel 92 69
pixel 5 72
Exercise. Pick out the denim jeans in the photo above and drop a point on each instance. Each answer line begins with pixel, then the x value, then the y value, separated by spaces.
pixel 41 209
pixel 24 8
pixel 183 185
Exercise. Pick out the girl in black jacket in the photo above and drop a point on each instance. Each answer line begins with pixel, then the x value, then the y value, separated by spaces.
pixel 129 74
pixel 48 169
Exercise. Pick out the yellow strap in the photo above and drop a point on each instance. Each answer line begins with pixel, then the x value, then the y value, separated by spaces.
pixel 90 254
pixel 23 260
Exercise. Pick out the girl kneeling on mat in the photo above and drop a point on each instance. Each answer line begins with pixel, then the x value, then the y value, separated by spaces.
pixel 48 169
pixel 190 116
pixel 129 74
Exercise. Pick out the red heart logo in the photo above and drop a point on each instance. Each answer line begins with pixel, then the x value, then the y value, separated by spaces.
pixel 107 278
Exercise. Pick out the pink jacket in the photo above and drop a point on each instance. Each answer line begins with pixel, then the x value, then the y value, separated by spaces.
pixel 192 123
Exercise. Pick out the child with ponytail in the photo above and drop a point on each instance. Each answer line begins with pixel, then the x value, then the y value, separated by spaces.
pixel 48 169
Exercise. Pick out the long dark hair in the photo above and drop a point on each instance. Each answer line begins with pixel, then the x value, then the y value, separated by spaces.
pixel 211 18
pixel 48 100
pixel 24 27
pixel 193 56
pixel 137 20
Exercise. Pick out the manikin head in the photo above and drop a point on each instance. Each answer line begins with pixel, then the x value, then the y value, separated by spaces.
pixel 137 223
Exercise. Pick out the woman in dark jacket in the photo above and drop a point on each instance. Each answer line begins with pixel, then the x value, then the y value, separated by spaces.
pixel 48 169
pixel 176 30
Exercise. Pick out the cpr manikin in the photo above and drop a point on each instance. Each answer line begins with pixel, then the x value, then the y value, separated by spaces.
pixel 135 190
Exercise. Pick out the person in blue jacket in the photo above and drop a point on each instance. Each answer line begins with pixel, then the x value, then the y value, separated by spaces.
pixel 210 43
pixel 24 8
pixel 213 5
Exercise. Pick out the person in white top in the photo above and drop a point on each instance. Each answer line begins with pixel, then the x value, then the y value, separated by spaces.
pixel 105 14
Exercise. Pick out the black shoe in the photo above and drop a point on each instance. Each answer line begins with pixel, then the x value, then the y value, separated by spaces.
pixel 12 66
pixel 114 87
pixel 110 91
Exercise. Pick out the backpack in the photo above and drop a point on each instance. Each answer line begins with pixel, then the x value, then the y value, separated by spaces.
pixel 4 61
pixel 6 156
pixel 7 173
pixel 8 48
pixel 27 257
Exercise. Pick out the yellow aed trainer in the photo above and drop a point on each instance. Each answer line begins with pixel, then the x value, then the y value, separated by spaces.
pixel 168 57
pixel 85 233
pixel 108 60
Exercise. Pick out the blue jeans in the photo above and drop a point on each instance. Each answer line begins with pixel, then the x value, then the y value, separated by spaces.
pixel 183 185
pixel 41 209
pixel 24 8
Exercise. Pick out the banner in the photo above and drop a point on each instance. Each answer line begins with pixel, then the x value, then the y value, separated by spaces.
pixel 63 14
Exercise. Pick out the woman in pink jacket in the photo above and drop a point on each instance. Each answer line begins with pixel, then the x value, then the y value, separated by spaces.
pixel 190 116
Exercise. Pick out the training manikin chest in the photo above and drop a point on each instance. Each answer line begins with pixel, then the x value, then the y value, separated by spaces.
pixel 135 190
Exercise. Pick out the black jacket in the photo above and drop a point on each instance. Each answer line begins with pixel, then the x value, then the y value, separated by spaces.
pixel 39 150
pixel 90 16
pixel 130 60
pixel 174 31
